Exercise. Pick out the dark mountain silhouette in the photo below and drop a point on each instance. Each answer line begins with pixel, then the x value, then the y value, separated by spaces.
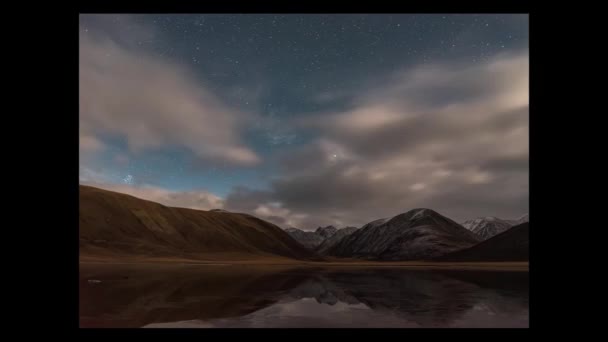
pixel 307 239
pixel 334 239
pixel 510 245
pixel 312 240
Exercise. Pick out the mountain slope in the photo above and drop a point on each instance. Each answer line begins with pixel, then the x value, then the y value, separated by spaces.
pixel 326 232
pixel 523 219
pixel 112 223
pixel 307 239
pixel 334 239
pixel 414 235
pixel 312 240
pixel 486 227
pixel 510 245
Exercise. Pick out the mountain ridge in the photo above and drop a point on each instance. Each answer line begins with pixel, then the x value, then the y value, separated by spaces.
pixel 489 226
pixel 112 223
pixel 510 245
pixel 417 234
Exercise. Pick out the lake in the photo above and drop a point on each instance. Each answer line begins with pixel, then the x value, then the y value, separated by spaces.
pixel 246 296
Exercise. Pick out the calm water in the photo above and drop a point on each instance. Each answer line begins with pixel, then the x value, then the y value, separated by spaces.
pixel 265 297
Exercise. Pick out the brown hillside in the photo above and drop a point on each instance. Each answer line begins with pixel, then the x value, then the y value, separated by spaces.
pixel 113 224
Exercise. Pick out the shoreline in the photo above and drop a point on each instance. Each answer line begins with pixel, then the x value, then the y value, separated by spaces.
pixel 522 266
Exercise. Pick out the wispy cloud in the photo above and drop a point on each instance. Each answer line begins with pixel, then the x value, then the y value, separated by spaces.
pixel 152 102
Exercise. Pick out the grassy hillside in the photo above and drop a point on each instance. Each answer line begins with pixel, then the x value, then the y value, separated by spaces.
pixel 115 224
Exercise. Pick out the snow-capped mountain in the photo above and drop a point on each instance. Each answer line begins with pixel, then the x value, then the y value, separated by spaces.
pixel 334 239
pixel 326 232
pixel 486 227
pixel 415 235
pixel 522 219
pixel 489 226
pixel 307 239
pixel 312 240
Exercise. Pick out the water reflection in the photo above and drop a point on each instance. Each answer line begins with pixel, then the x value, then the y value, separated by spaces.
pixel 239 296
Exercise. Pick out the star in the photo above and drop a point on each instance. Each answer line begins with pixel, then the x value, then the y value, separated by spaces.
pixel 293 68
pixel 128 179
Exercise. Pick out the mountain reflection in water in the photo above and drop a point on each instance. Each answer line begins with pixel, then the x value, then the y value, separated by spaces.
pixel 267 297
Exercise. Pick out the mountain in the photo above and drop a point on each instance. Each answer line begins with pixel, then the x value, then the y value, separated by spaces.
pixel 376 223
pixel 115 224
pixel 307 239
pixel 489 226
pixel 312 240
pixel 414 235
pixel 510 245
pixel 486 227
pixel 334 239
pixel 326 232
pixel 523 219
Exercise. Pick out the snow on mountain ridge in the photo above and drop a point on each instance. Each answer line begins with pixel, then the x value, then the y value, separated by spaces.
pixel 417 234
pixel 488 226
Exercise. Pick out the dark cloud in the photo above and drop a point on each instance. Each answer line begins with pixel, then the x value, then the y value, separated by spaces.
pixel 464 156
pixel 518 165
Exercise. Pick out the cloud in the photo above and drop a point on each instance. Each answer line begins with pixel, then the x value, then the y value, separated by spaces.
pixel 121 159
pixel 196 199
pixel 151 101
pixel 452 136
pixel 261 204
pixel 90 144
pixel 448 136
pixel 201 199
pixel 87 174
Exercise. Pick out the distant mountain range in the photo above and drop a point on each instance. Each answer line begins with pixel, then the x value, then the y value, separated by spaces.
pixel 489 226
pixel 329 242
pixel 322 238
pixel 118 225
pixel 309 239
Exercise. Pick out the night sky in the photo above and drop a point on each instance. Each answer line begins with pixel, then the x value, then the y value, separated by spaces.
pixel 309 120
